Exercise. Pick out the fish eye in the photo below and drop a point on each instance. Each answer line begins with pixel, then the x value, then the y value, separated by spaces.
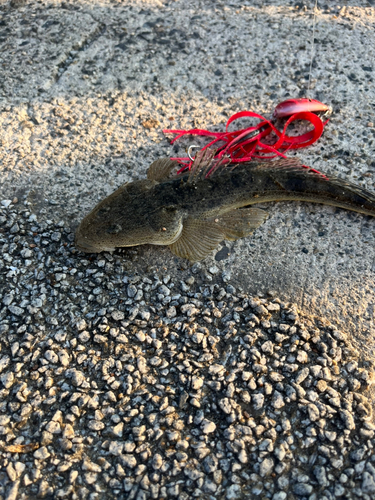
pixel 103 210
pixel 169 209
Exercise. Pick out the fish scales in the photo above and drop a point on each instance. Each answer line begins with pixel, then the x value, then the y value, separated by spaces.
pixel 192 213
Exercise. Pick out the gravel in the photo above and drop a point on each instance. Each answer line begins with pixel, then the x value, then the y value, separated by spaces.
pixel 86 89
pixel 134 375
pixel 123 386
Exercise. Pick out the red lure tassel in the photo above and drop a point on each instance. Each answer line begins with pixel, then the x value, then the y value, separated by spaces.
pixel 246 144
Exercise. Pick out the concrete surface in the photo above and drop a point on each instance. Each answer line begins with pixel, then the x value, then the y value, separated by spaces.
pixel 87 87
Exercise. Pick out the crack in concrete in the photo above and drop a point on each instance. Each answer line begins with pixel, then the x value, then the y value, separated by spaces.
pixel 79 47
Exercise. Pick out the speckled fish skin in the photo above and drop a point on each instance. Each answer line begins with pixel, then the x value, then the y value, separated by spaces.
pixel 155 212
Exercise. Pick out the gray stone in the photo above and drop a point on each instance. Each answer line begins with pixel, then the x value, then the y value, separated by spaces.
pixel 233 492
pixel 368 483
pixel 302 489
pixel 266 467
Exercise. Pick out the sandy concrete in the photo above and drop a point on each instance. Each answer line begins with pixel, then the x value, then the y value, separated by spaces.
pixel 87 87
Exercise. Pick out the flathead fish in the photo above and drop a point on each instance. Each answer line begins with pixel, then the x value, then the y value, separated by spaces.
pixel 192 213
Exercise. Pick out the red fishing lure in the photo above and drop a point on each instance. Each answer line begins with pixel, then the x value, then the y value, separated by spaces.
pixel 292 106
pixel 246 144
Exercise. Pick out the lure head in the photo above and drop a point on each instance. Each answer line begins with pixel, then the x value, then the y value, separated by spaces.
pixel 300 105
pixel 130 216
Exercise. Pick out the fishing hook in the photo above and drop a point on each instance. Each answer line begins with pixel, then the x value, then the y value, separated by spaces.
pixel 188 153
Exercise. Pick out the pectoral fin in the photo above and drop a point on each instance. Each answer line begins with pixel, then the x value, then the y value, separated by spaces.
pixel 161 169
pixel 197 240
pixel 240 222
pixel 200 236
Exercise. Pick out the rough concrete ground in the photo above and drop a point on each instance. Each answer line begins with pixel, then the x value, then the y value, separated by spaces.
pixel 81 81
pixel 87 87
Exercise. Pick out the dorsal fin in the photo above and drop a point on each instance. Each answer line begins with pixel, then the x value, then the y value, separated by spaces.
pixel 205 165
pixel 281 163
pixel 201 164
pixel 292 165
pixel 160 169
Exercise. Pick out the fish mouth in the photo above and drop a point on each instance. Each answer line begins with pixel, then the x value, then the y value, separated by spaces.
pixel 88 248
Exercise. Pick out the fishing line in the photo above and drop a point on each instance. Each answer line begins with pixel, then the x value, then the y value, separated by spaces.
pixel 312 47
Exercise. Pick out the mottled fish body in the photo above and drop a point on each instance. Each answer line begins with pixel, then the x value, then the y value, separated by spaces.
pixel 192 213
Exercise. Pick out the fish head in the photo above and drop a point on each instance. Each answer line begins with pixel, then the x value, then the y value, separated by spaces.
pixel 130 216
